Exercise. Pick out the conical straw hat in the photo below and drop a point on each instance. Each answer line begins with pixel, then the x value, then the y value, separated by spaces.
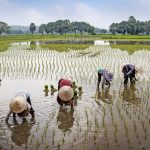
pixel 18 104
pixel 65 93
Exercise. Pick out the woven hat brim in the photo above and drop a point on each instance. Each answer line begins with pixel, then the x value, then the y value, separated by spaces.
pixel 65 93
pixel 18 104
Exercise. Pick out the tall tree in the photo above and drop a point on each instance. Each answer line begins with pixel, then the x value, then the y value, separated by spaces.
pixel 113 28
pixel 59 27
pixel 66 24
pixel 42 28
pixel 32 27
pixel 74 27
pixel 147 27
pixel 131 25
pixel 90 29
pixel 82 26
pixel 122 27
pixel 4 28
pixel 51 27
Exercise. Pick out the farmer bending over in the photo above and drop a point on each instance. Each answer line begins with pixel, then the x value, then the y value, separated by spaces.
pixel 107 77
pixel 65 93
pixel 129 72
pixel 19 105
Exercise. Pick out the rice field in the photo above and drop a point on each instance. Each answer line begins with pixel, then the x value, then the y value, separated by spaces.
pixel 115 118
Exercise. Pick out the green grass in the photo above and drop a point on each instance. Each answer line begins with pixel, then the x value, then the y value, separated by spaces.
pixel 64 47
pixel 5 40
pixel 37 37
pixel 4 46
pixel 126 37
pixel 131 48
pixel 28 37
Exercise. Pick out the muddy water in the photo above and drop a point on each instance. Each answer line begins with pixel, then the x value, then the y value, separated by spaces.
pixel 115 118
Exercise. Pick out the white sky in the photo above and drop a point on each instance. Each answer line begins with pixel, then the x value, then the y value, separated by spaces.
pixel 100 13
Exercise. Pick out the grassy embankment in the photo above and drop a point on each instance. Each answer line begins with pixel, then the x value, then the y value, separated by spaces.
pixel 7 39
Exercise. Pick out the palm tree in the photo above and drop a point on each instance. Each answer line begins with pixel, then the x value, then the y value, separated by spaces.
pixel 32 27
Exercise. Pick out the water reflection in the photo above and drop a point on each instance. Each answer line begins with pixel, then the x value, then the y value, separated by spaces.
pixel 20 133
pixel 4 46
pixel 129 94
pixel 32 45
pixel 105 95
pixel 65 119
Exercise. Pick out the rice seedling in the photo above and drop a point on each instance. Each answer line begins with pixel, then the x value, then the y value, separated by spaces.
pixel 37 145
pixel 47 147
pixel 80 90
pixel 53 89
pixel 12 146
pixel 47 66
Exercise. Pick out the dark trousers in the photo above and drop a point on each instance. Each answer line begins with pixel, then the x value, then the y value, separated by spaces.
pixel 131 76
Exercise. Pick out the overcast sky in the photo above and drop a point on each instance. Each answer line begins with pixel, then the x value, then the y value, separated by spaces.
pixel 99 13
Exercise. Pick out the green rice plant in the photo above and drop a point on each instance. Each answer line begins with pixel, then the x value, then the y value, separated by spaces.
pixel 64 47
pixel 63 140
pixel 53 89
pixel 105 133
pixel 12 146
pixel 80 90
pixel 103 121
pixel 75 93
pixel 86 113
pixel 4 46
pixel 131 48
pixel 46 88
pixel 95 139
pixel 42 136
pixel 58 146
pixel 47 147
pixel 74 85
pixel 96 122
pixel 37 145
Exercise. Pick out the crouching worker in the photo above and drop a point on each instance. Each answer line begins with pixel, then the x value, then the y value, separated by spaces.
pixel 20 105
pixel 65 93
pixel 107 77
pixel 129 71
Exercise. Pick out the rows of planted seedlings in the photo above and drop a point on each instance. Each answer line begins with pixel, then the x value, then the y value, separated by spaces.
pixel 79 65
pixel 127 120
pixel 119 118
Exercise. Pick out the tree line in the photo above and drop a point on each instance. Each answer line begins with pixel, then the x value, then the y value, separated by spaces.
pixel 65 26
pixel 131 26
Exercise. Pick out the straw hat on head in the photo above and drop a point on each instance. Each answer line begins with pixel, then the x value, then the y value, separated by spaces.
pixel 18 104
pixel 65 93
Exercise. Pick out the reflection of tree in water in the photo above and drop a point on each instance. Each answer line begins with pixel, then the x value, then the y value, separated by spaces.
pixel 4 46
pixel 65 120
pixel 129 94
pixel 20 132
pixel 33 45
pixel 104 96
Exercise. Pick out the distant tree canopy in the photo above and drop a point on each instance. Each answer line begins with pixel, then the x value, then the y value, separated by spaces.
pixel 132 26
pixel 65 26
pixel 4 28
pixel 32 27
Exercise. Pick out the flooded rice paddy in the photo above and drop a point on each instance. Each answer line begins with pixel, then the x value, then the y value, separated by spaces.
pixel 116 118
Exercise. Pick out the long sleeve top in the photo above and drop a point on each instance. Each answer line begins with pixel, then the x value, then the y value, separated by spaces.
pixel 128 69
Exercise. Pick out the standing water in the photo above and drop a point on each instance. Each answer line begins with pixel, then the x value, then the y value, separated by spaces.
pixel 115 118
